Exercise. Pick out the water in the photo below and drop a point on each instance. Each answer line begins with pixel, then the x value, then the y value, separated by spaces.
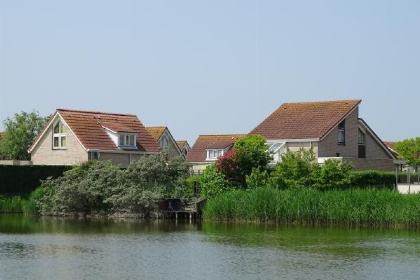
pixel 51 248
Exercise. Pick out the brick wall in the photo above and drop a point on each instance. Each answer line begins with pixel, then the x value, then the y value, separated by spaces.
pixel 44 154
pixel 329 147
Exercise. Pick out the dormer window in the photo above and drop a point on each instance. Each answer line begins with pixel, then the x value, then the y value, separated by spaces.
pixel 127 140
pixel 59 135
pixel 342 133
pixel 213 154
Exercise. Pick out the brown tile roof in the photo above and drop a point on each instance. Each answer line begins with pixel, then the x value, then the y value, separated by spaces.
pixel 391 145
pixel 2 134
pixel 156 131
pixel 307 120
pixel 181 143
pixel 88 128
pixel 198 152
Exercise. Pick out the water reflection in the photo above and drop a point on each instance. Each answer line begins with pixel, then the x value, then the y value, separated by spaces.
pixel 54 248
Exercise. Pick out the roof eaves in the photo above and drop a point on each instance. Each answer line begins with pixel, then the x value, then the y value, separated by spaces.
pixel 377 139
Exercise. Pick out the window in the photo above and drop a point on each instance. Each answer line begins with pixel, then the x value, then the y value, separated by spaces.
pixel 127 140
pixel 59 136
pixel 342 133
pixel 214 154
pixel 164 142
pixel 362 145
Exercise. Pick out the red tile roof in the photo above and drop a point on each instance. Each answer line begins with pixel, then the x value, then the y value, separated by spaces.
pixel 88 127
pixel 181 143
pixel 307 120
pixel 198 152
pixel 156 131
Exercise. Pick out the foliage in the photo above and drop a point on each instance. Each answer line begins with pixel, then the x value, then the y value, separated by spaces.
pixel 409 149
pixel 373 179
pixel 258 178
pixel 20 132
pixel 100 186
pixel 192 187
pixel 332 175
pixel 11 204
pixel 251 152
pixel 248 153
pixel 147 181
pixel 351 207
pixel 213 182
pixel 296 170
pixel 80 190
pixel 228 166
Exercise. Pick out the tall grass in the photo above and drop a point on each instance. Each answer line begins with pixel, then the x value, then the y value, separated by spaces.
pixel 351 207
pixel 11 204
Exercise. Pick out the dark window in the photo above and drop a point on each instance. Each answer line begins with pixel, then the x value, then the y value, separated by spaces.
pixel 342 133
pixel 362 145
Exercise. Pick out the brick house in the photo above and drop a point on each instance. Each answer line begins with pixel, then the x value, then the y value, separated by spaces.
pixel 184 147
pixel 332 128
pixel 207 148
pixel 167 143
pixel 72 137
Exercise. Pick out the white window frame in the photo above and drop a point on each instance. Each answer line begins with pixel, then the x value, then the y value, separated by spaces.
pixel 214 154
pixel 127 140
pixel 61 136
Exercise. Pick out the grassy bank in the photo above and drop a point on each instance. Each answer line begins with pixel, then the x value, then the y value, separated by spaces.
pixel 350 207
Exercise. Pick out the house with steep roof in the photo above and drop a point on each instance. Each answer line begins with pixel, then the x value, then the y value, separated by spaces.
pixel 207 148
pixel 72 137
pixel 184 147
pixel 164 138
pixel 332 129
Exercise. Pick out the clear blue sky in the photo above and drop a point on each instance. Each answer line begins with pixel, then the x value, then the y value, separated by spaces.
pixel 212 67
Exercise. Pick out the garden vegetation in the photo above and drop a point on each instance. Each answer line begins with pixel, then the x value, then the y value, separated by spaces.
pixel 299 190
pixel 100 187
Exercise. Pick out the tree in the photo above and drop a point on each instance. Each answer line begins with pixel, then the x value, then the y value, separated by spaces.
pixel 20 132
pixel 248 153
pixel 409 149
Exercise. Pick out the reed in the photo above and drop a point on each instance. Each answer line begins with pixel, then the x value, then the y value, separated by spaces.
pixel 11 204
pixel 368 207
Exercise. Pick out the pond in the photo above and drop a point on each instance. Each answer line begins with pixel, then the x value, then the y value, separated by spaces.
pixel 58 248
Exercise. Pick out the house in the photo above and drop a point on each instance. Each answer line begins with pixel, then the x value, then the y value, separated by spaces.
pixel 167 143
pixel 72 137
pixel 391 146
pixel 332 128
pixel 184 147
pixel 207 148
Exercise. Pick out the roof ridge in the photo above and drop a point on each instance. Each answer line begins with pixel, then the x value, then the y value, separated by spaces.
pixel 94 112
pixel 325 101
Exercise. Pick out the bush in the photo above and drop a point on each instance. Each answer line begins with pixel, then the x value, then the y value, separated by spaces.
pixel 101 187
pixel 213 182
pixel 373 179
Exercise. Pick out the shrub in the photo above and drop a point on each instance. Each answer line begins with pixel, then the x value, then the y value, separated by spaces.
pixel 213 182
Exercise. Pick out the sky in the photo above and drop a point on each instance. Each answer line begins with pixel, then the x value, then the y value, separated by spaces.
pixel 212 67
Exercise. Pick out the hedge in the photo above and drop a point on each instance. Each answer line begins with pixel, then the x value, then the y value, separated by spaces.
pixel 22 180
pixel 373 179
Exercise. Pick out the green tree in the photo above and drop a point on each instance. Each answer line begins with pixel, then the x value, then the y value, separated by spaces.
pixel 248 153
pixel 213 182
pixel 296 170
pixel 20 132
pixel 409 149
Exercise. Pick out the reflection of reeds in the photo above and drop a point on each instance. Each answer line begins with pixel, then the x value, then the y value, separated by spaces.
pixel 11 204
pixel 351 207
